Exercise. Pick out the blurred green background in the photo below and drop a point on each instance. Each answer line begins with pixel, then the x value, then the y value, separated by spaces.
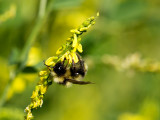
pixel 123 28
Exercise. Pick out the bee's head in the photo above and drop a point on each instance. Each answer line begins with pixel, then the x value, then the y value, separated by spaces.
pixel 59 69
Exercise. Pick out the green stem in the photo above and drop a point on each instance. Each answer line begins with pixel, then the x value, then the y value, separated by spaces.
pixel 7 87
pixel 42 8
pixel 29 43
pixel 24 54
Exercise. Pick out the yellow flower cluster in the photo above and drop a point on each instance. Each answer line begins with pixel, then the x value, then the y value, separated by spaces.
pixel 67 52
pixel 38 93
pixel 132 62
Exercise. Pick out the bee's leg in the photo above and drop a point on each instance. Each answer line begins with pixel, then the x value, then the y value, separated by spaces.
pixel 46 65
pixel 79 82
pixel 64 82
pixel 49 79
pixel 64 60
pixel 73 65
pixel 64 63
pixel 80 61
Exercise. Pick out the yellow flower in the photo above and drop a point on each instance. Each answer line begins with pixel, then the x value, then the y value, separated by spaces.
pixel 74 44
pixel 50 61
pixel 79 48
pixel 43 73
pixel 70 59
pixel 75 31
pixel 29 116
pixel 74 56
pixel 65 52
pixel 34 94
pixel 59 51
pixel 43 89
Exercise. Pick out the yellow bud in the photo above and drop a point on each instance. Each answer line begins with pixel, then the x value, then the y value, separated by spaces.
pixel 29 116
pixel 43 73
pixel 27 109
pixel 86 23
pixel 69 59
pixel 91 18
pixel 83 29
pixel 43 89
pixel 69 39
pixel 34 94
pixel 74 56
pixel 74 41
pixel 72 31
pixel 75 31
pixel 93 22
pixel 35 104
pixel 79 48
pixel 50 62
pixel 59 51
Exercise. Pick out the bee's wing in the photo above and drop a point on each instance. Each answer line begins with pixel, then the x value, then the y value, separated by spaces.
pixel 79 82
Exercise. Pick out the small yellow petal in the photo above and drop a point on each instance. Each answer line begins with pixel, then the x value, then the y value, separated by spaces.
pixel 35 104
pixel 84 29
pixel 34 94
pixel 79 48
pixel 74 56
pixel 50 61
pixel 43 73
pixel 62 58
pixel 74 41
pixel 29 116
pixel 59 51
pixel 69 59
pixel 86 23
pixel 43 89
pixel 68 39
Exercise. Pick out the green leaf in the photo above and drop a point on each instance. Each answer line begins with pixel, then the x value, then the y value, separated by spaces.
pixel 14 56
pixel 29 69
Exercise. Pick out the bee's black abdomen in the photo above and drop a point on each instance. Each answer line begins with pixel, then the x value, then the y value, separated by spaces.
pixel 81 72
pixel 75 71
pixel 59 69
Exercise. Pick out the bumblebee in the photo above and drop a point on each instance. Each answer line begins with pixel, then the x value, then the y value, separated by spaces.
pixel 67 75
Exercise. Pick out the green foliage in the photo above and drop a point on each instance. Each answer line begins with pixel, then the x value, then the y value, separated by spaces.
pixel 11 113
pixel 124 27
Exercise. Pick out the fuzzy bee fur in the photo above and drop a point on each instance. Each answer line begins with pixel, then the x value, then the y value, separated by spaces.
pixel 67 75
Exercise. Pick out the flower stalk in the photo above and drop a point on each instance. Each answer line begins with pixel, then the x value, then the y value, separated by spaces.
pixel 66 52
